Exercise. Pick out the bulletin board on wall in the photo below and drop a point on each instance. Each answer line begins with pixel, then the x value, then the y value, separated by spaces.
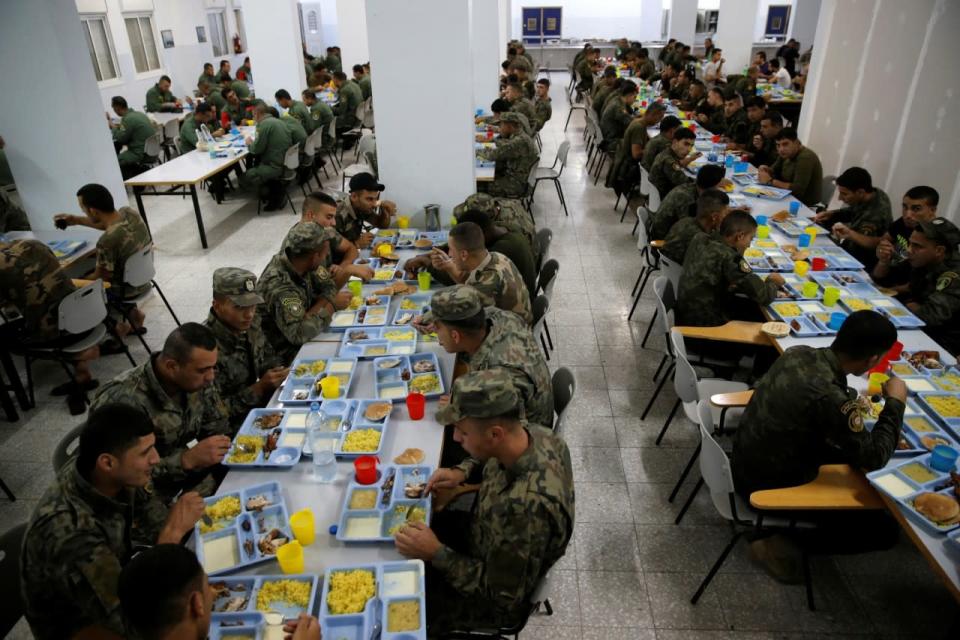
pixel 541 23
pixel 778 20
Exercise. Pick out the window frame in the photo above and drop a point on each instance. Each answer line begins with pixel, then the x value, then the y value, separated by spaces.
pixel 138 16
pixel 111 47
pixel 241 25
pixel 222 23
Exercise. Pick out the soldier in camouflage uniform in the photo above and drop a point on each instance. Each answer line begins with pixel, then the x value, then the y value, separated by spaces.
pixel 934 288
pixel 668 126
pixel 321 208
pixel 299 297
pixel 624 173
pixel 175 389
pixel 86 525
pixel 160 98
pixel 349 96
pixel 681 201
pixel 542 106
pixel 12 217
pixel 667 170
pixel 484 570
pixel 133 131
pixel 248 369
pixel 515 154
pixel 617 114
pixel 711 210
pixel 363 207
pixel 736 126
pixel 861 224
pixel 270 147
pixel 508 213
pixel 520 103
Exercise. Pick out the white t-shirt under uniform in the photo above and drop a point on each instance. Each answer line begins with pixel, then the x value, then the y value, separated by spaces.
pixel 782 78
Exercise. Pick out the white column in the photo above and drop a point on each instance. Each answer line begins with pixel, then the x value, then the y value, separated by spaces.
pixel 803 22
pixel 485 43
pixel 276 49
pixel 505 23
pixel 54 147
pixel 683 21
pixel 354 41
pixel 651 14
pixel 424 129
pixel 735 33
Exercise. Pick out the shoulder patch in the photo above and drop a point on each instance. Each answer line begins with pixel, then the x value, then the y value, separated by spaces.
pixel 292 306
pixel 944 281
pixel 745 267
pixel 851 410
pixel 676 166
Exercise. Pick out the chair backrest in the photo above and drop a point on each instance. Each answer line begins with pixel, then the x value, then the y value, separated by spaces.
pixel 139 269
pixel 562 153
pixel 684 375
pixel 367 117
pixel 643 241
pixel 83 309
pixel 548 277
pixel 564 385
pixel 367 144
pixel 532 176
pixel 11 543
pixel 539 306
pixel 828 186
pixel 645 186
pixel 291 159
pixel 66 447
pixel 361 109
pixel 171 129
pixel 314 140
pixel 666 301
pixel 714 463
pixel 544 239
pixel 332 128
pixel 176 144
pixel 368 160
pixel 672 270
pixel 151 146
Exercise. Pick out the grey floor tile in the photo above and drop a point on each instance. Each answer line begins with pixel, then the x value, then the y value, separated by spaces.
pixel 648 501
pixel 590 402
pixel 614 599
pixel 564 595
pixel 624 633
pixel 534 632
pixel 652 464
pixel 589 431
pixel 606 547
pixel 603 502
pixel 596 464
pixel 683 548
pixel 670 602
pixel 634 432
pixel 585 355
pixel 588 378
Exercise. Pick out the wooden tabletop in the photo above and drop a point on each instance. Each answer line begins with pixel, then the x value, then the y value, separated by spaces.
pixel 734 331
pixel 735 399
pixel 837 486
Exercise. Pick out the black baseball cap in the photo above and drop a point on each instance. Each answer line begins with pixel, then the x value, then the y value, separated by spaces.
pixel 365 182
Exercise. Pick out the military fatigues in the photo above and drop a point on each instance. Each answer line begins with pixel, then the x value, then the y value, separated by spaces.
pixel 514 157
pixel 322 115
pixel 802 415
pixel 246 72
pixel 241 88
pixel 210 79
pixel 624 174
pixel 301 113
pixel 505 212
pixel 333 63
pixel 681 236
pixel 715 119
pixel 804 173
pixel 681 202
pixel 177 421
pixel 76 544
pixel 598 97
pixel 766 155
pixel 12 217
pixel 236 112
pixel 614 122
pixel 31 280
pixel 501 285
pixel 189 135
pixel 216 99
pixel 517 250
pixel 937 290
pixel 666 172
pixel 543 110
pixel 350 221
pixel 712 274
pixel 871 218
pixel 134 129
pixel 525 106
pixel 157 98
pixel 366 86
pixel 736 127
pixel 118 242
pixel 350 96
pixel 585 71
pixel 652 149
pixel 270 146
pixel 520 527
pixel 298 135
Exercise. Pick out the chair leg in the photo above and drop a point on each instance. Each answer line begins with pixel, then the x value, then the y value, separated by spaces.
pixel 563 200
pixel 690 498
pixel 684 473
pixel 164 298
pixel 646 335
pixel 546 330
pixel 716 567
pixel 6 490
pixel 567 124
pixel 636 284
pixel 807 579
pixel 633 308
pixel 28 363
pixel 617 204
pixel 146 347
pixel 663 360
pixel 666 425
pixel 636 223
pixel 645 278
pixel 546 352
pixel 656 392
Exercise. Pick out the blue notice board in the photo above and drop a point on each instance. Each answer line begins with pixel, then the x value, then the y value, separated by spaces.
pixel 541 22
pixel 778 18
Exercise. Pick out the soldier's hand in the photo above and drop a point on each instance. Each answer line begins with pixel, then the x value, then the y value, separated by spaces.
pixel 420 326
pixel 183 514
pixel 364 240
pixel 63 220
pixel 362 271
pixel 413 265
pixel 389 207
pixel 840 230
pixel 885 251
pixel 208 452
pixel 895 388
pixel 343 299
pixel 777 279
pixel 445 479
pixel 305 627
pixel 272 378
pixel 417 540
pixel 823 216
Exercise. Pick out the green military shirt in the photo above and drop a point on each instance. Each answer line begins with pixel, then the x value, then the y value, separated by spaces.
pixel 300 111
pixel 523 520
pixel 287 297
pixel 272 141
pixel 237 112
pixel 32 281
pixel 515 248
pixel 210 79
pixel 716 122
pixel 220 76
pixel 12 217
pixel 157 98
pixel 651 150
pixel 241 88
pixel 937 290
pixel 241 359
pixel 514 157
pixel 614 122
pixel 322 115
pixel 802 409
pixel 598 97
pixel 711 276
pixel 188 134
pixel 366 86
pixel 215 98
pixel 350 97
pixel 76 544
pixel 646 69
pixel 871 218
pixel 680 238
pixel 333 64
pixel 522 61
pixel 134 129
pixel 512 215
pixel 298 135
pixel 585 71
pixel 804 173
pixel 177 422
pixel 525 106
pixel 680 203
pixel 116 244
pixel 543 109
pixel 623 161
pixel 666 172
pixel 501 285
pixel 736 127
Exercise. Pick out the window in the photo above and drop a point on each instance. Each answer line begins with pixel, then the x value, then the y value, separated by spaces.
pixel 142 43
pixel 97 35
pixel 218 34
pixel 241 31
pixel 312 22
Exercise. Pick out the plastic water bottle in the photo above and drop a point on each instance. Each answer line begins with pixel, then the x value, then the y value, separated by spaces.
pixel 324 459
pixel 315 417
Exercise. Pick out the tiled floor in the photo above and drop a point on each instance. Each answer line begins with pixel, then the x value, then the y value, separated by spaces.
pixel 629 572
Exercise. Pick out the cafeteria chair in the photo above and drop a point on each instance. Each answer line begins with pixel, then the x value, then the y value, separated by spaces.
pixel 152 150
pixel 571 107
pixel 139 270
pixel 171 135
pixel 551 173
pixel 539 598
pixel 650 257
pixel 291 164
pixel 11 543
pixel 827 189
pixel 672 270
pixel 365 148
pixel 543 238
pixel 564 385
pixel 310 153
pixel 67 447
pixel 539 308
pixel 357 132
pixel 545 283
pixel 332 151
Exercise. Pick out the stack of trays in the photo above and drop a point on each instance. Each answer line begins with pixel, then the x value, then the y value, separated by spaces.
pixel 374 512
pixel 806 317
pixel 388 341
pixel 352 421
pixel 268 438
pixel 412 305
pixel 242 605
pixel 396 609
pixel 909 480
pixel 302 386
pixel 246 534
pixel 396 376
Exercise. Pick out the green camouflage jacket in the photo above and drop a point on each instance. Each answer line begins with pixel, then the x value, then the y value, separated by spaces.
pixel 350 221
pixel 666 173
pixel 652 149
pixel 680 237
pixel 679 203
pixel 543 110
pixel 614 121
pixel 514 157
pixel 322 114
pixel 157 98
pixel 117 243
pixel 937 290
pixel 871 218
pixel 272 141
pixel 350 96
pixel 300 111
pixel 31 280
pixel 501 285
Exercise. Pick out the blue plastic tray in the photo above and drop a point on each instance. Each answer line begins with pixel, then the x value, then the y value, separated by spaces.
pixel 837 259
pixel 395 582
pixel 420 304
pixel 951 424
pixel 390 383
pixel 248 528
pixel 771 260
pixel 289 442
pixel 244 591
pixel 939 483
pixel 352 346
pixel 302 389
pixel 765 192
pixel 392 502
pixel 63 248
pixel 351 414
pixel 405 239
pixel 790 228
pixel 899 315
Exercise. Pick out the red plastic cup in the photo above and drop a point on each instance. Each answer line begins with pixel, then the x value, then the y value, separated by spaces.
pixel 365 468
pixel 643 103
pixel 895 351
pixel 693 127
pixel 416 402
pixel 745 157
pixel 818 264
pixel 714 139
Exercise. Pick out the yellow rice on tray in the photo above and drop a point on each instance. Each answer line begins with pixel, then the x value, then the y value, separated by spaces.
pixel 223 509
pixel 361 440
pixel 350 590
pixel 292 592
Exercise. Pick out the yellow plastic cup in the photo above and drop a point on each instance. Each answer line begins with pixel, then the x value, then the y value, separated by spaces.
pixel 800 267
pixel 330 387
pixel 290 557
pixel 303 526
pixel 453 221
pixel 384 249
pixel 403 222
pixel 812 232
pixel 830 296
pixel 875 383
pixel 763 231
pixel 809 289
pixel 355 287
pixel 423 280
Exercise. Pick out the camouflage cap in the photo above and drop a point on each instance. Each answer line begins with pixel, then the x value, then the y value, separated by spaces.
pixel 941 231
pixel 456 303
pixel 306 236
pixel 511 118
pixel 237 284
pixel 480 394
pixel 479 202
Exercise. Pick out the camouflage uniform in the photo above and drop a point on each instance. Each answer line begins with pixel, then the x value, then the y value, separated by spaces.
pixel 242 357
pixel 614 122
pixel 177 421
pixel 508 343
pixel 241 88
pixel 711 277
pixel 32 281
pixel 298 135
pixel 521 524
pixel 680 238
pixel 737 127
pixel 505 212
pixel 871 218
pixel 133 131
pixel 501 285
pixel 12 217
pixel 624 172
pixel 366 86
pixel 189 134
pixel 936 288
pixel 288 296
pixel 350 221
pixel 652 149
pixel 75 546
pixel 543 110
pixel 525 106
pixel 802 415
pixel 237 112
pixel 118 242
pixel 666 172
pixel 157 98
pixel 299 111
pixel 598 97
pixel 585 72
pixel 515 156
pixel 270 146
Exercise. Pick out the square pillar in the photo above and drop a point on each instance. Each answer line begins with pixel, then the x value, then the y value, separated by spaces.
pixel 276 49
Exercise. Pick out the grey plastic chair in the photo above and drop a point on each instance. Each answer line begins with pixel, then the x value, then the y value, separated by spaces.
pixel 367 144
pixel 551 173
pixel 545 283
pixel 539 306
pixel 564 385
pixel 310 147
pixel 11 542
pixel 544 238
pixel 66 447
pixel 139 270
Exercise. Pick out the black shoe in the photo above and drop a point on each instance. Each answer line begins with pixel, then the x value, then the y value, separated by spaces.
pixel 111 347
pixel 142 331
pixel 69 387
pixel 77 404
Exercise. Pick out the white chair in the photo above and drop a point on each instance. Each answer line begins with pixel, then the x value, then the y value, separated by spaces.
pixel 139 270
pixel 573 106
pixel 332 151
pixel 367 144
pixel 651 262
pixel 366 119
pixel 543 238
pixel 672 270
pixel 313 142
pixel 152 150
pixel 171 131
pixel 828 186
pixel 527 197
pixel 550 173
pixel 564 385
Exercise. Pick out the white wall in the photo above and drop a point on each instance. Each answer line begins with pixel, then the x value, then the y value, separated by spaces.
pixel 485 51
pixel 803 22
pixel 894 110
pixel 276 50
pixel 352 26
pixel 314 40
pixel 331 29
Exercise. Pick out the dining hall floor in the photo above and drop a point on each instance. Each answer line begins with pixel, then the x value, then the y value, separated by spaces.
pixel 629 571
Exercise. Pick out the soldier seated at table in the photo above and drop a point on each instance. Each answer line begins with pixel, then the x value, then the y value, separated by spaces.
pixel 208 76
pixel 919 204
pixel 712 208
pixel 709 113
pixel 175 389
pixel 321 208
pixel 624 174
pixel 322 115
pixel 681 202
pixel 797 168
pixel 512 245
pixel 299 296
pixel 803 415
pixel 248 369
pixel 669 169
pixel 763 146
pixel 506 212
pixel 90 521
pixel 363 209
pixel 269 151
pixel 861 224
pixel 482 570
pixel 521 103
pixel 934 292
pixel 668 126
pixel 617 115
pixel 349 97
pixel 515 154
pixel 542 106
pixel 160 98
pixel 134 130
